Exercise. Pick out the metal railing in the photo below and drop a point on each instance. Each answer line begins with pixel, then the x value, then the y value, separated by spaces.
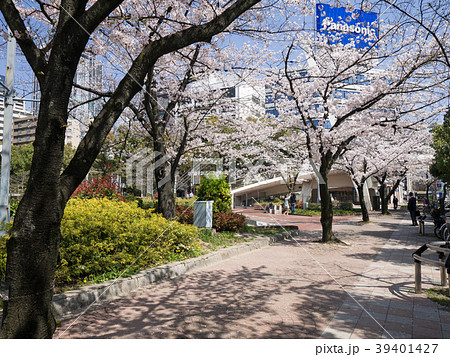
pixel 443 262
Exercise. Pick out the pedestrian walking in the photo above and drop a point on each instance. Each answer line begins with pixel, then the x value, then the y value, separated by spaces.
pixel 292 199
pixel 395 201
pixel 286 204
pixel 412 208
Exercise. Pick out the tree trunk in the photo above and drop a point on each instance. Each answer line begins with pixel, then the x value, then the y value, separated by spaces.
pixel 364 211
pixel 164 181
pixel 384 199
pixel 391 192
pixel 35 237
pixel 166 197
pixel 326 208
pixel 32 255
pixel 32 250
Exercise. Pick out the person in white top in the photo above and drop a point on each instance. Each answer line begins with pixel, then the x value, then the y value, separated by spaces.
pixel 286 204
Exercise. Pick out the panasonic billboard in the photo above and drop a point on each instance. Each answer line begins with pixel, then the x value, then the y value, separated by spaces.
pixel 344 25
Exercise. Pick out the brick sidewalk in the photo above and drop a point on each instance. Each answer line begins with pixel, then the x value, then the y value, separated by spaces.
pixel 293 289
pixel 385 291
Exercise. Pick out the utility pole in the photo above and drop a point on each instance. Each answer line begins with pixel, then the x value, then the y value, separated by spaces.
pixel 7 128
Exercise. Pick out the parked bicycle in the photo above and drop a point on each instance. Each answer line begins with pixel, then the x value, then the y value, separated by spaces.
pixel 441 230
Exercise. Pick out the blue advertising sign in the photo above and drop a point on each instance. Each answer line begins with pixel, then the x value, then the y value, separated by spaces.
pixel 343 25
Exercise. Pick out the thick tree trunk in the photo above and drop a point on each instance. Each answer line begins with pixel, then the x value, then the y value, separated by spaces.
pixel 32 250
pixel 34 244
pixel 166 197
pixel 326 207
pixel 364 211
pixel 32 254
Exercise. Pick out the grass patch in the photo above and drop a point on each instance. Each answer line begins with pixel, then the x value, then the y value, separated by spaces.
pixel 307 212
pixel 337 212
pixel 439 295
pixel 214 241
pixel 266 230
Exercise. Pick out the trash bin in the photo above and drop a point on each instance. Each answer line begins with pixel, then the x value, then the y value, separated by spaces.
pixel 203 214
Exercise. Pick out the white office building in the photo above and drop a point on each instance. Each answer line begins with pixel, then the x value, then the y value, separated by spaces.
pixel 232 97
pixel 84 105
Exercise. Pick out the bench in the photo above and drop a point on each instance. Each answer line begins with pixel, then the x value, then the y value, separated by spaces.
pixel 442 261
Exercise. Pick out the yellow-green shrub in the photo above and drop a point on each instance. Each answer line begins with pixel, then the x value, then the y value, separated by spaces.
pixel 3 240
pixel 100 236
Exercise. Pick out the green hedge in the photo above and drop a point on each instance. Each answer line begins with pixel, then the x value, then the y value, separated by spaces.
pixel 101 237
pixel 215 189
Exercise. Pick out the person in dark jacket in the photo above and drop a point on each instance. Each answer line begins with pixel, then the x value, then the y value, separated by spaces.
pixel 395 201
pixel 292 199
pixel 412 208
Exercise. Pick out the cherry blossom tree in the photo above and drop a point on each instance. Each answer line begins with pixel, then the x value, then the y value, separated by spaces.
pixel 428 17
pixel 336 93
pixel 414 161
pixel 386 155
pixel 53 36
pixel 262 149
pixel 189 102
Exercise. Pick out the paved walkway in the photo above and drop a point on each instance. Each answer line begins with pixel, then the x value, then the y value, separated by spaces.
pixel 387 306
pixel 294 289
pixel 304 223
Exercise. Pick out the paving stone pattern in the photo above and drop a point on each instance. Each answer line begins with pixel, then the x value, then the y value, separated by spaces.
pixel 399 313
pixel 296 288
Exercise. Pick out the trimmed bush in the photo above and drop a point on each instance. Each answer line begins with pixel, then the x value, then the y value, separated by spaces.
pixel 228 221
pixel 185 214
pixel 101 237
pixel 215 189
pixel 185 202
pixel 314 206
pixel 346 206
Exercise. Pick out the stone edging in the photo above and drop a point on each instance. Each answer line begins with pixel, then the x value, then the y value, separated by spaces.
pixel 76 300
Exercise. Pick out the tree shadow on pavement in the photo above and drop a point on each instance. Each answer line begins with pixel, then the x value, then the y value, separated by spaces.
pixel 264 300
pixel 248 303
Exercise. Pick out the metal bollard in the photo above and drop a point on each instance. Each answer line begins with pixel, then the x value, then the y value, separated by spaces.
pixel 418 276
pixel 448 275
pixel 443 270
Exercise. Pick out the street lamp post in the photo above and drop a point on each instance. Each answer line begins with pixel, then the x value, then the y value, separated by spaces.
pixel 7 128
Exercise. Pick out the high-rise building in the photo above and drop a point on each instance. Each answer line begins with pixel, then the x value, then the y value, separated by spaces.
pixel 230 96
pixel 19 110
pixel 24 130
pixel 84 103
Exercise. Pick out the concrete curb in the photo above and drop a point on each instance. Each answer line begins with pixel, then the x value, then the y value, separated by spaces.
pixel 76 300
